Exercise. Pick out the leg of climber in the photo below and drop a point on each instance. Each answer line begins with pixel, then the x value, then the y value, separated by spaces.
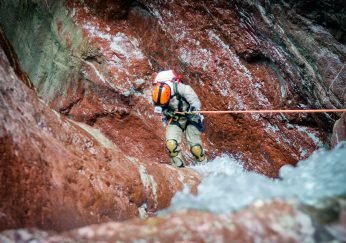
pixel 173 140
pixel 194 141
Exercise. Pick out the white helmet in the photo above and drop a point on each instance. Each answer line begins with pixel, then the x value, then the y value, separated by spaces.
pixel 167 76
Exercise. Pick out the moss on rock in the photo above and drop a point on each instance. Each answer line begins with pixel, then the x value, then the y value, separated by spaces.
pixel 48 44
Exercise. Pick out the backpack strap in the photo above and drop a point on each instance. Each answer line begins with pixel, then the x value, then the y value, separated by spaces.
pixel 180 98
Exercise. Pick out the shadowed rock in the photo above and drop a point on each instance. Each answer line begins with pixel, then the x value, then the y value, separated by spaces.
pixel 263 221
pixel 226 50
pixel 59 174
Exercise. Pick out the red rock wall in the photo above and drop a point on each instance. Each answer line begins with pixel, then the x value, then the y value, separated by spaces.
pixel 57 174
pixel 236 55
pixel 223 59
pixel 232 53
pixel 272 222
pixel 264 222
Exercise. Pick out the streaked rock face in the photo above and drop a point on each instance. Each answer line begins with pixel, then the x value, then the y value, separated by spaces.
pixel 264 221
pixel 59 174
pixel 277 222
pixel 104 61
pixel 100 155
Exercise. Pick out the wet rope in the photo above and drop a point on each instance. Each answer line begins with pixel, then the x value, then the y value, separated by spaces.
pixel 264 111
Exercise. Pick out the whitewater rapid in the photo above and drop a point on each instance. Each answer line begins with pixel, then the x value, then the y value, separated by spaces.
pixel 227 187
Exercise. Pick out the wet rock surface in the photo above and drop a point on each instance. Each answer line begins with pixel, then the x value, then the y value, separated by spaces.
pixel 100 155
pixel 59 174
pixel 265 221
pixel 236 55
pixel 339 131
pixel 276 222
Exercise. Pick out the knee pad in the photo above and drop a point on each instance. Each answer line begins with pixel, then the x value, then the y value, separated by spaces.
pixel 172 146
pixel 198 152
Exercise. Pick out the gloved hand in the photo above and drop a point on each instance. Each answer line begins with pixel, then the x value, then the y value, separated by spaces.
pixel 192 110
pixel 168 113
pixel 194 115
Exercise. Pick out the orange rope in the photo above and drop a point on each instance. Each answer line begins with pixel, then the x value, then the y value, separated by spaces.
pixel 265 111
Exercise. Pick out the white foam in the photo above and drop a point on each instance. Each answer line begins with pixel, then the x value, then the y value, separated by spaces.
pixel 226 186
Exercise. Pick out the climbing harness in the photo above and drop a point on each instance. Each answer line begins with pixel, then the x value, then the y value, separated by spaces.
pixel 180 98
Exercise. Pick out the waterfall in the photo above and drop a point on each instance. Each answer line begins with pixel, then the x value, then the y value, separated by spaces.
pixel 227 187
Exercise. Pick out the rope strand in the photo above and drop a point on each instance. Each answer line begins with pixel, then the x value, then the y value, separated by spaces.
pixel 265 111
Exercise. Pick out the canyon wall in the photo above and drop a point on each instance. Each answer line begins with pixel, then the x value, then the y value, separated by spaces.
pixel 59 174
pixel 100 154
pixel 93 62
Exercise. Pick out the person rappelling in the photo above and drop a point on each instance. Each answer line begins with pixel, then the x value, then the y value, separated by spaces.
pixel 170 96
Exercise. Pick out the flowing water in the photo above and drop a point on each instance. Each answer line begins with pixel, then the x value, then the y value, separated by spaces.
pixel 226 186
